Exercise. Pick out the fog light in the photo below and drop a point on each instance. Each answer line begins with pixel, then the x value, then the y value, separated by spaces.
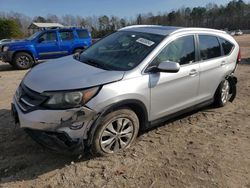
pixel 77 125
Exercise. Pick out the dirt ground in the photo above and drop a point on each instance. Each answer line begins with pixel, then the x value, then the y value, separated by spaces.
pixel 208 148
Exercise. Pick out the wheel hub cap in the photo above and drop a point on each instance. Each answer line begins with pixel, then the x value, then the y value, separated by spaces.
pixel 225 92
pixel 23 61
pixel 117 135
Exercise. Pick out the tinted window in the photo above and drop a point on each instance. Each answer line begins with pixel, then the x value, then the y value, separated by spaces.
pixel 66 35
pixel 181 50
pixel 209 47
pixel 82 34
pixel 227 46
pixel 49 36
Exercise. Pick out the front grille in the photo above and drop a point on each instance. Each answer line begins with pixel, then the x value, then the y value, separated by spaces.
pixel 28 99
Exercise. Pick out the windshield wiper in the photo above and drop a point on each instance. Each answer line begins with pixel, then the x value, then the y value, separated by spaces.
pixel 96 64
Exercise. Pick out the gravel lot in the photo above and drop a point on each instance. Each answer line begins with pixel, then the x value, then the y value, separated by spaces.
pixel 208 148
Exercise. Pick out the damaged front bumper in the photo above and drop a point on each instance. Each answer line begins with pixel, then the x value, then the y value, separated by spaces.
pixel 57 129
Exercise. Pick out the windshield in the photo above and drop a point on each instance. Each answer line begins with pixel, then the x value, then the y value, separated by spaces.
pixel 34 35
pixel 122 50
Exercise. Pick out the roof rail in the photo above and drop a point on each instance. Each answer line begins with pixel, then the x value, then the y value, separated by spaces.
pixel 65 27
pixel 138 26
pixel 197 29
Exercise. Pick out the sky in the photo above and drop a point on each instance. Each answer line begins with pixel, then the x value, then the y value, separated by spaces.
pixel 121 8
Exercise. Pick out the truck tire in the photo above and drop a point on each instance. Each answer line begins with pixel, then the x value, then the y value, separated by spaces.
pixel 78 50
pixel 22 61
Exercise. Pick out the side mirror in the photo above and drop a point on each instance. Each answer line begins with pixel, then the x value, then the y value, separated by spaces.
pixel 165 66
pixel 40 40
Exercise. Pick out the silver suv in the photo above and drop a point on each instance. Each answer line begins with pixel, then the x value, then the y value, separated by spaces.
pixel 128 81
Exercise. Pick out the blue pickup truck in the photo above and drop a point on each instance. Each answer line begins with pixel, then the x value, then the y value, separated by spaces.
pixel 46 44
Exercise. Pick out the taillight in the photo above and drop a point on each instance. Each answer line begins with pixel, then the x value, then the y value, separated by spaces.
pixel 239 57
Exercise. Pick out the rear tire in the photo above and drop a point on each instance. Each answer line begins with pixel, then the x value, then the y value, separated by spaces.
pixel 78 50
pixel 116 132
pixel 222 94
pixel 22 61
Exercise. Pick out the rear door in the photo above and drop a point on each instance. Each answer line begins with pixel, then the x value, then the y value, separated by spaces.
pixel 47 45
pixel 212 65
pixel 66 41
pixel 172 92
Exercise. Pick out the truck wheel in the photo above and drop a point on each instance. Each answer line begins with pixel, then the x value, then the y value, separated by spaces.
pixel 76 51
pixel 222 94
pixel 22 61
pixel 116 132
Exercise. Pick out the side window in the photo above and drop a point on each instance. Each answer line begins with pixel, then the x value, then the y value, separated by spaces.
pixel 182 51
pixel 48 37
pixel 209 47
pixel 82 34
pixel 226 46
pixel 66 35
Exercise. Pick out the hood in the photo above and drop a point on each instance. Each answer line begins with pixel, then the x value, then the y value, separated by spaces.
pixel 19 43
pixel 67 74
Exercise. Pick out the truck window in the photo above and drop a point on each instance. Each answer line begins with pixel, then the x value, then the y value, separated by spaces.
pixel 47 37
pixel 82 34
pixel 66 35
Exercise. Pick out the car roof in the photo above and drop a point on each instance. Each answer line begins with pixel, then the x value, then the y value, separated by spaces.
pixel 166 30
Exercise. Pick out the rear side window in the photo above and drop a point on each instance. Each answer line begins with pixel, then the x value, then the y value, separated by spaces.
pixel 66 35
pixel 226 46
pixel 82 34
pixel 209 47
pixel 181 50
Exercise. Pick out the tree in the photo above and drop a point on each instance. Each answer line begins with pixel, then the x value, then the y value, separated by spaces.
pixel 9 29
pixel 40 19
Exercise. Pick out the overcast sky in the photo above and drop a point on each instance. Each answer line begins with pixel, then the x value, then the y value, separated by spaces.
pixel 121 8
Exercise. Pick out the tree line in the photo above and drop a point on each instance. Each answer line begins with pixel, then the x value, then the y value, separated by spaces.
pixel 232 16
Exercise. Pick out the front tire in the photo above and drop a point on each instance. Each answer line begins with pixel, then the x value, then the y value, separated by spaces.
pixel 116 132
pixel 222 94
pixel 22 61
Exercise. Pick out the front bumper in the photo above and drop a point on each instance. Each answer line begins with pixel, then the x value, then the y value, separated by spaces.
pixel 70 125
pixel 7 56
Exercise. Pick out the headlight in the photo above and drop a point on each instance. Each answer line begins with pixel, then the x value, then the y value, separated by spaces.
pixel 5 48
pixel 64 100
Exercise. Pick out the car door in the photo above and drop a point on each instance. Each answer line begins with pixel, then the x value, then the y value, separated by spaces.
pixel 66 41
pixel 212 65
pixel 171 92
pixel 47 45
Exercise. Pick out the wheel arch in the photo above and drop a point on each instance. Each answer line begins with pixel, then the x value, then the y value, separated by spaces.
pixel 77 48
pixel 233 89
pixel 135 105
pixel 23 51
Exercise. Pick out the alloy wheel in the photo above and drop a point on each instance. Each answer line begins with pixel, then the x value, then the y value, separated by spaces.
pixel 117 135
pixel 225 92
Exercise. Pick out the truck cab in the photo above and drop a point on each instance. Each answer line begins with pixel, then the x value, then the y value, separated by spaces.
pixel 46 44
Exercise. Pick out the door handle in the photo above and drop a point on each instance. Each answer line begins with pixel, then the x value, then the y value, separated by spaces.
pixel 223 63
pixel 193 72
